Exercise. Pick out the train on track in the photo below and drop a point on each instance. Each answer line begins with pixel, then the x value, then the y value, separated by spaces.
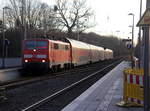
pixel 54 55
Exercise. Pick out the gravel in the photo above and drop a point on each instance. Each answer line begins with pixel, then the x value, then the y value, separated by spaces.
pixel 26 95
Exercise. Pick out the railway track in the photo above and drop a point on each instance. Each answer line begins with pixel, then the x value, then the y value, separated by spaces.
pixel 46 103
pixel 31 79
pixel 37 88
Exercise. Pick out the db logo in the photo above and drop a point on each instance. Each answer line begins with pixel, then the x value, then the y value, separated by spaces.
pixel 147 19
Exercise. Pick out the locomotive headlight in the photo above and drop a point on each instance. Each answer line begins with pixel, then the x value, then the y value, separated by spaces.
pixel 26 60
pixel 43 60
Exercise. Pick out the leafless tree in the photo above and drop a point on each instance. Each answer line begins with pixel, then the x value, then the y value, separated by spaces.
pixel 48 19
pixel 31 12
pixel 37 14
pixel 74 15
pixel 70 15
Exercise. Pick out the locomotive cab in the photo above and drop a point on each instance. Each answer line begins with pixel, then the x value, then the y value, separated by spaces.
pixel 35 54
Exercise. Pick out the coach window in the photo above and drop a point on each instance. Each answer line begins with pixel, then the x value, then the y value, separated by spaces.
pixel 55 46
pixel 66 47
pixel 61 47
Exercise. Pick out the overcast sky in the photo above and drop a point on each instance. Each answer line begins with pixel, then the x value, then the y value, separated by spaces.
pixel 112 15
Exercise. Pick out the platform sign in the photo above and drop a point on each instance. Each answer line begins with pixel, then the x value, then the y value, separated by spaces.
pixel 145 23
pixel 145 20
pixel 129 46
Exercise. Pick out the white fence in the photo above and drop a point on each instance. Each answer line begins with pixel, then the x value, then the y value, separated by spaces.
pixel 11 62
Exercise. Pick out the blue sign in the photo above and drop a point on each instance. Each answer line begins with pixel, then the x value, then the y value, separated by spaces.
pixel 129 46
pixel 7 42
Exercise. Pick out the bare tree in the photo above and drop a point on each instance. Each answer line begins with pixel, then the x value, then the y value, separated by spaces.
pixel 33 13
pixel 47 19
pixel 31 16
pixel 73 14
pixel 70 15
pixel 38 15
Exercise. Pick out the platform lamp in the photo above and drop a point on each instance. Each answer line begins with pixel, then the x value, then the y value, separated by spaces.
pixel 3 39
pixel 132 50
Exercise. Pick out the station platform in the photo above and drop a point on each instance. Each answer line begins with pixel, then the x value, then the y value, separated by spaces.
pixel 9 69
pixel 104 94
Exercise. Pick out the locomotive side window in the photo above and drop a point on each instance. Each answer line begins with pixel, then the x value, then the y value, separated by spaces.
pixel 29 45
pixel 66 47
pixel 56 46
pixel 61 47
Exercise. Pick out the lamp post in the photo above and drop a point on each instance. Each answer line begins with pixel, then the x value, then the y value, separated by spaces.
pixel 140 45
pixel 132 50
pixel 118 31
pixel 80 29
pixel 3 39
pixel 77 27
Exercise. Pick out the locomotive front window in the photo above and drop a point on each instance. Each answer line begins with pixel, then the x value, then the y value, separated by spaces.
pixel 41 44
pixel 35 44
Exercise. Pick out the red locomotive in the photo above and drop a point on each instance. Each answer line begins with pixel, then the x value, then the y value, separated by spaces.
pixel 45 54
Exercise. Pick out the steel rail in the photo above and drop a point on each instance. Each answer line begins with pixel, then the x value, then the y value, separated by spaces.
pixel 35 105
pixel 19 82
pixel 27 80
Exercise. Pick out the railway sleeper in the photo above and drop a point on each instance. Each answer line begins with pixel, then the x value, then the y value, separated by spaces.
pixel 66 66
pixel 2 93
pixel 72 65
pixel 54 68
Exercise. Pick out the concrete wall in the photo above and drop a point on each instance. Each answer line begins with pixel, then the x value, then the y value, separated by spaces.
pixel 11 62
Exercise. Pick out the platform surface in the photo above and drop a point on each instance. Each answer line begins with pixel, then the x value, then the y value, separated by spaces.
pixel 104 94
